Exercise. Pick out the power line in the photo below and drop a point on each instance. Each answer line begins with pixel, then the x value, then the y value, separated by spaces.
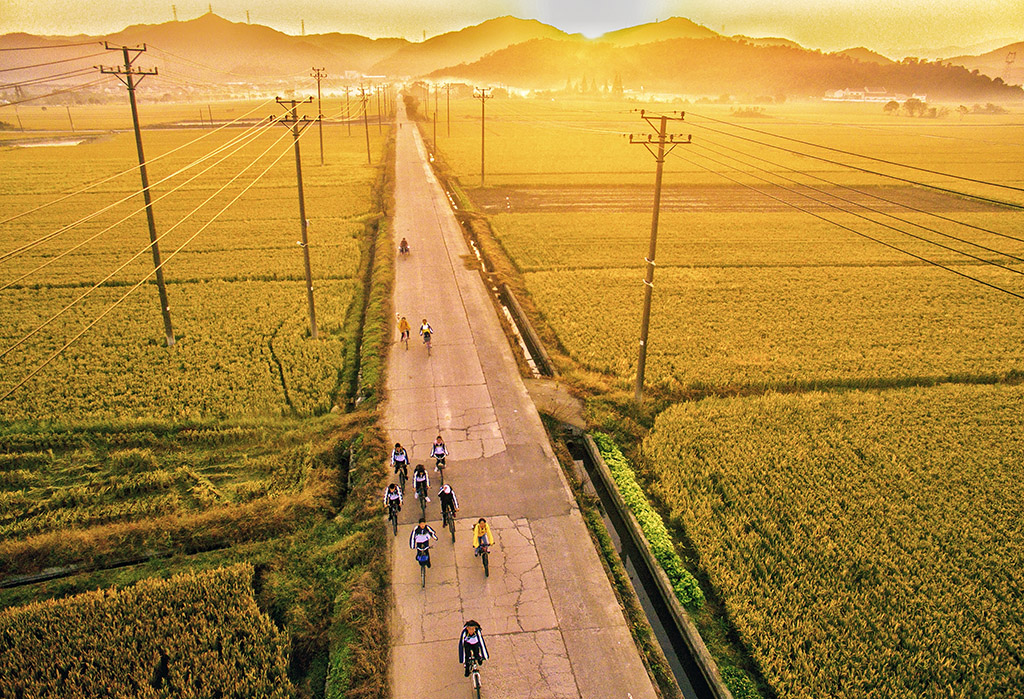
pixel 868 157
pixel 49 236
pixel 52 46
pixel 872 210
pixel 132 169
pixel 144 279
pixel 52 63
pixel 249 139
pixel 53 94
pixel 51 78
pixel 139 254
pixel 852 230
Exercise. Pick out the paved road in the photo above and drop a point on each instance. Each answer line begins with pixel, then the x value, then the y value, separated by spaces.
pixel 551 620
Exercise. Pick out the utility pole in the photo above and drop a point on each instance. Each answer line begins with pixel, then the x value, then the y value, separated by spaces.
pixel 319 74
pixel 664 139
pixel 482 94
pixel 131 77
pixel 348 112
pixel 174 10
pixel 366 123
pixel 68 107
pixel 293 121
pixel 448 107
pixel 379 129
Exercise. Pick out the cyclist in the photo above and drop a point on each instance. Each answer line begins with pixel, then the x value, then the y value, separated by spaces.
pixel 419 539
pixel 393 495
pixel 449 502
pixel 439 451
pixel 404 329
pixel 471 644
pixel 426 331
pixel 400 459
pixel 403 247
pixel 420 482
pixel 482 536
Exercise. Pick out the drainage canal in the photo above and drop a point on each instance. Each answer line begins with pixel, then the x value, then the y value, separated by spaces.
pixel 687 673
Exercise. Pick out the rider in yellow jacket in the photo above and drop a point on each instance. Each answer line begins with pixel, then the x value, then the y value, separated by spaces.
pixel 482 535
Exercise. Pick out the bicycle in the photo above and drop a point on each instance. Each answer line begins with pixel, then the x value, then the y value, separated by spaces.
pixel 401 480
pixel 405 338
pixel 421 490
pixel 426 341
pixel 474 674
pixel 393 515
pixel 484 550
pixel 439 467
pixel 448 520
pixel 423 558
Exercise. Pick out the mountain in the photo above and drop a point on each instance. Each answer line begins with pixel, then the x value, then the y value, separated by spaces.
pixel 671 28
pixel 941 53
pixel 464 46
pixel 716 66
pixel 993 63
pixel 865 56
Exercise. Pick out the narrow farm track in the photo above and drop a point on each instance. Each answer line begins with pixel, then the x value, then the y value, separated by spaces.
pixel 549 615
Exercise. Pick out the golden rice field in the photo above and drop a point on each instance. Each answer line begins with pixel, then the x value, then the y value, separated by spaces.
pixel 865 544
pixel 233 269
pixel 197 634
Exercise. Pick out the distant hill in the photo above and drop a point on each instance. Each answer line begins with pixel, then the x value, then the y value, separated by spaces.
pixel 463 46
pixel 671 28
pixel 993 63
pixel 719 66
pixel 865 56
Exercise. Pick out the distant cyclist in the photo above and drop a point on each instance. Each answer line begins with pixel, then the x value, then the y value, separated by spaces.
pixel 438 450
pixel 404 330
pixel 400 459
pixel 393 497
pixel 471 645
pixel 426 332
pixel 482 537
pixel 421 481
pixel 403 247
pixel 420 536
pixel 449 502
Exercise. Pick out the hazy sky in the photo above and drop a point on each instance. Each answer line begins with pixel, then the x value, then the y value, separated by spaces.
pixel 888 25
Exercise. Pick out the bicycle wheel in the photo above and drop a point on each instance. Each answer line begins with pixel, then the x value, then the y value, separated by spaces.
pixel 423 575
pixel 401 481
pixel 451 526
pixel 440 471
pixel 476 682
pixel 487 570
pixel 394 521
pixel 423 504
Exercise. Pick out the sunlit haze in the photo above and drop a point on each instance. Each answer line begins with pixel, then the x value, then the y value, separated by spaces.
pixel 881 25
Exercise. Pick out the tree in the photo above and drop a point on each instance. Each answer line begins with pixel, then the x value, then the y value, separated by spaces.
pixel 963 110
pixel 617 85
pixel 891 107
pixel 914 107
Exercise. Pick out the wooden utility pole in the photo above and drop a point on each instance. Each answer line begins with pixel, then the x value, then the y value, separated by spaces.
pixel 366 124
pixel 70 121
pixel 319 74
pixel 131 77
pixel 293 121
pixel 664 139
pixel 348 112
pixel 448 106
pixel 379 128
pixel 482 94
